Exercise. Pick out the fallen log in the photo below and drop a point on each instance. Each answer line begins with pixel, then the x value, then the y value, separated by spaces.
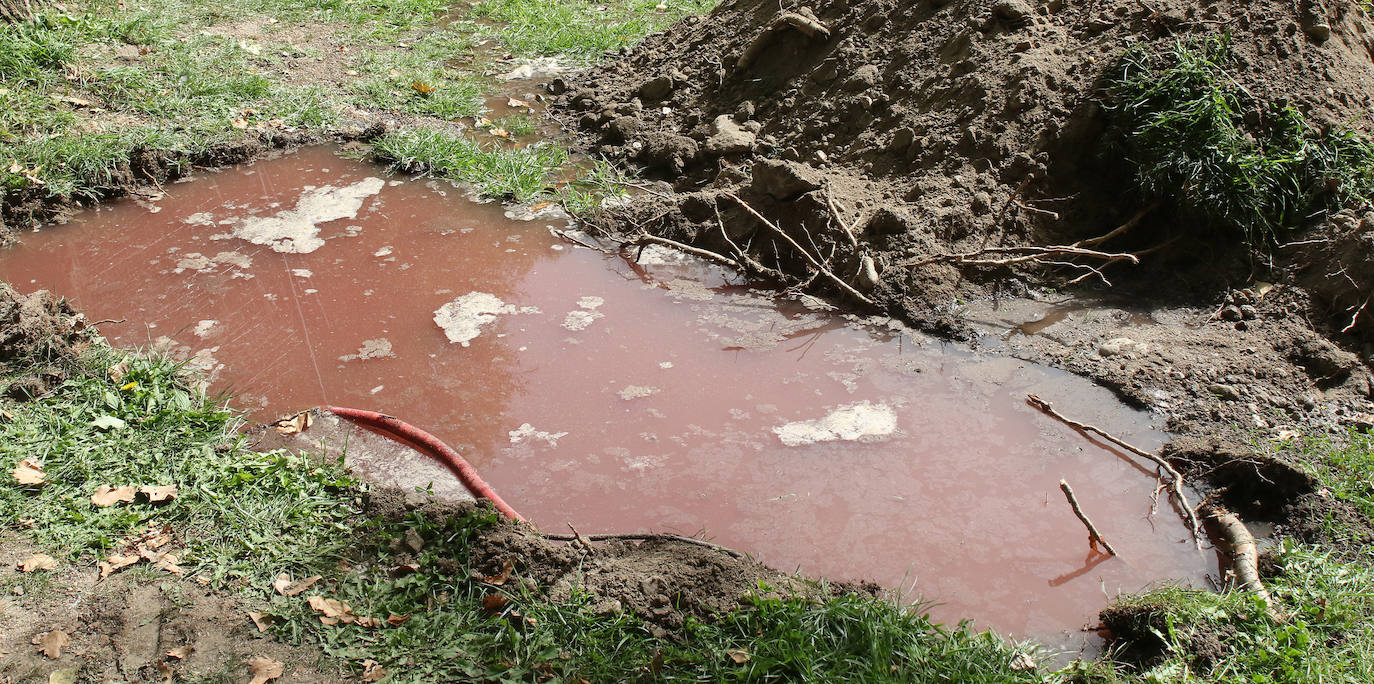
pixel 1239 546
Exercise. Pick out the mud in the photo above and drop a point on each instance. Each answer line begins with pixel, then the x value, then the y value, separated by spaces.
pixel 38 332
pixel 628 395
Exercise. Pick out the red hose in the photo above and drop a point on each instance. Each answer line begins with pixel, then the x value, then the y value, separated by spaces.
pixel 431 446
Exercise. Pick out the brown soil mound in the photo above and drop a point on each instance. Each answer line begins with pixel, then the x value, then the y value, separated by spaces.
pixel 36 332
pixel 929 128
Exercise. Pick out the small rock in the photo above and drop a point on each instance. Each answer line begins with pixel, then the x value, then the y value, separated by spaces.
pixel 1249 312
pixel 1014 12
pixel 784 180
pixel 1226 392
pixel 1242 326
pixel 744 112
pixel 558 86
pixel 728 137
pixel 1122 346
pixel 1307 402
pixel 656 88
pixel 1231 313
pixel 901 140
pixel 864 78
pixel 413 541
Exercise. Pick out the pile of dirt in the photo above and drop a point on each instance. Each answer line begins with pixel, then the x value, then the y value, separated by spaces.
pixel 933 128
pixel 37 332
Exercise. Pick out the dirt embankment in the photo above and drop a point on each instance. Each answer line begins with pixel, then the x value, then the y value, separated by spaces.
pixel 880 139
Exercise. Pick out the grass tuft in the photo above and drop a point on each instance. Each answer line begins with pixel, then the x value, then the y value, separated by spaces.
pixel 1195 135
pixel 579 29
pixel 519 174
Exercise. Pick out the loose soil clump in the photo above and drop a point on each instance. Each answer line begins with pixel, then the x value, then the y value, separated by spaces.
pixel 38 332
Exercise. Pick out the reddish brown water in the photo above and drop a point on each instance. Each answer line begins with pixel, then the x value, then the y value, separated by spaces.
pixel 626 397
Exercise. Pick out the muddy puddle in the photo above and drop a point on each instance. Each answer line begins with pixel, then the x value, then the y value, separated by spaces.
pixel 624 396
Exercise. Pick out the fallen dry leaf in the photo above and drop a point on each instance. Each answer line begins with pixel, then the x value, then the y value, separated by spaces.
pixel 405 569
pixel 260 621
pixel 38 561
pixel 168 562
pixel 515 102
pixel 166 671
pixel 286 587
pixel 421 87
pixel 372 671
pixel 29 473
pixel 365 621
pixel 264 670
pixel 72 100
pixel 159 493
pixel 119 370
pixel 106 496
pixel 499 132
pixel 181 653
pixel 500 578
pixel 397 620
pixel 739 655
pixel 115 562
pixel 494 603
pixel 293 424
pixel 52 643
pixel 242 125
pixel 330 608
pixel 6 416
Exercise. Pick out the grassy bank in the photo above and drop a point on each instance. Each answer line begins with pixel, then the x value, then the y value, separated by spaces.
pixel 101 97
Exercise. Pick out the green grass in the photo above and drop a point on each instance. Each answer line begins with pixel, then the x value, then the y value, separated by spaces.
pixel 1195 135
pixel 518 174
pixel 1325 639
pixel 241 515
pixel 579 29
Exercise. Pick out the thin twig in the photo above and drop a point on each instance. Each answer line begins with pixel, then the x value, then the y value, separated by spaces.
pixel 1176 479
pixel 644 537
pixel 1094 537
pixel 834 209
pixel 1355 319
pixel 846 287
pixel 1123 228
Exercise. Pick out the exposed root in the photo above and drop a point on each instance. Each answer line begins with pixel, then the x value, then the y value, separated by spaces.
pixel 1119 230
pixel 1244 555
pixel 813 260
pixel 744 264
pixel 1094 537
pixel 1176 478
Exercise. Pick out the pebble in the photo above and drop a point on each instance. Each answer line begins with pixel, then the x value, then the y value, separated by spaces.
pixel 1231 313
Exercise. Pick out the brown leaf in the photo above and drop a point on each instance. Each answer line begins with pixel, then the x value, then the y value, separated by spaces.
pixel 397 620
pixel 293 424
pixel 114 563
pixel 286 587
pixel 38 561
pixel 499 132
pixel 168 562
pixel 29 473
pixel 52 643
pixel 500 578
pixel 421 87
pixel 739 655
pixel 372 671
pixel 369 622
pixel 405 569
pixel 6 416
pixel 494 603
pixel 260 621
pixel 106 496
pixel 331 608
pixel 181 653
pixel 166 671
pixel 328 621
pixel 159 493
pixel 514 102
pixel 264 670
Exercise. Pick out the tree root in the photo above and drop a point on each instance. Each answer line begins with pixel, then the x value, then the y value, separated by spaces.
pixel 586 538
pixel 1094 537
pixel 1244 555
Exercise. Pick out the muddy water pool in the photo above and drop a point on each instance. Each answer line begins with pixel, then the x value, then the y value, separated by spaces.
pixel 625 396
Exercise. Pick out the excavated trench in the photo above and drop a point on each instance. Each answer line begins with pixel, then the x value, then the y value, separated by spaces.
pixel 631 391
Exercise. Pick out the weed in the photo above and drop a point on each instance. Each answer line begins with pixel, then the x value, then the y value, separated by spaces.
pixel 519 174
pixel 1194 134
